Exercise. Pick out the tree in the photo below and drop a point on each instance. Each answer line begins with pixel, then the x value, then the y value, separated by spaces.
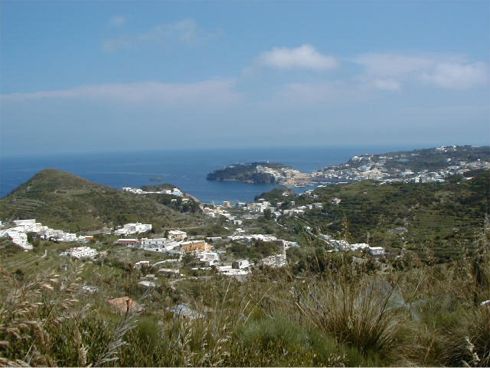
pixel 267 214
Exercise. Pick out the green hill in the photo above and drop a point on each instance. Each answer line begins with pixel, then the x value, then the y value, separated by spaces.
pixel 247 173
pixel 62 200
pixel 441 219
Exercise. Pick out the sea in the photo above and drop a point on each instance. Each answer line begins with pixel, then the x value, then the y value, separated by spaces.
pixel 187 169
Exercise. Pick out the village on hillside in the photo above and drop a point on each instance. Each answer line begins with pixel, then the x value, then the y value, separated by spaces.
pixel 418 166
pixel 206 252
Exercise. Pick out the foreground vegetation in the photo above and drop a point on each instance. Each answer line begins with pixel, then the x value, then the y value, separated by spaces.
pixel 342 315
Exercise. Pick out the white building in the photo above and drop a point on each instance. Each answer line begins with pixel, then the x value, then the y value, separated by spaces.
pixel 376 251
pixel 138 265
pixel 153 243
pixel 358 246
pixel 209 258
pixel 293 211
pixel 174 191
pixel 80 253
pixel 60 236
pixel 241 264
pixel 29 222
pixel 28 226
pixel 177 235
pixel 253 237
pixel 133 190
pixel 169 271
pixel 258 207
pixel 133 228
pixel 289 244
pixel 147 284
pixel 18 233
pixel 18 238
pixel 230 271
pixel 275 261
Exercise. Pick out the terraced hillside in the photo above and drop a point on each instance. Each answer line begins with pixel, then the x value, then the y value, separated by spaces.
pixel 434 219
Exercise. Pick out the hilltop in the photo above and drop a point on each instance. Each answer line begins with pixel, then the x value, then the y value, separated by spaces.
pixel 256 173
pixel 66 201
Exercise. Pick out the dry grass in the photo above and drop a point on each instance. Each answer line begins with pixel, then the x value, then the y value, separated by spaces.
pixel 43 322
pixel 424 316
pixel 359 315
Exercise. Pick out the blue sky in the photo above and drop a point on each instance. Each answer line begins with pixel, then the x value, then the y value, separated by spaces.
pixel 109 76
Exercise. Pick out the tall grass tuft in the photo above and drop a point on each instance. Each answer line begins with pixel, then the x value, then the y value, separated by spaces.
pixel 358 315
pixel 42 322
pixel 468 344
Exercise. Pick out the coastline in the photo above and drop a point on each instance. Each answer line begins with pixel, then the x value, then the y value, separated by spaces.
pixel 186 169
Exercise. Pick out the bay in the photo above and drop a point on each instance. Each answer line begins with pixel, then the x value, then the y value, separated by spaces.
pixel 186 169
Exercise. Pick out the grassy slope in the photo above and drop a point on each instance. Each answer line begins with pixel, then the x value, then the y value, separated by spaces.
pixel 442 216
pixel 272 319
pixel 65 201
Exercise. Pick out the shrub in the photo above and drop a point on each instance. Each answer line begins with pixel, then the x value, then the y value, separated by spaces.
pixel 355 314
pixel 468 344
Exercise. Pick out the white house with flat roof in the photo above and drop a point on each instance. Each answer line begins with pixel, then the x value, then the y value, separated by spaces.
pixel 80 253
pixel 133 228
pixel 153 243
pixel 177 235
pixel 376 251
pixel 19 238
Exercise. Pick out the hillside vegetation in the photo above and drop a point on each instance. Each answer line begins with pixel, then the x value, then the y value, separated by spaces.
pixel 347 315
pixel 246 173
pixel 438 220
pixel 65 201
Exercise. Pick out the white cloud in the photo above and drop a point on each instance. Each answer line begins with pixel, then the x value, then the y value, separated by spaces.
pixel 393 65
pixel 117 21
pixel 302 57
pixel 185 31
pixel 440 71
pixel 458 76
pixel 385 84
pixel 216 92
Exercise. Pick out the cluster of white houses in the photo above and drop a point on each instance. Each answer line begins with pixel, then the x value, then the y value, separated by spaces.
pixel 255 209
pixel 380 168
pixel 18 233
pixel 177 244
pixel 248 238
pixel 81 253
pixel 174 191
pixel 344 246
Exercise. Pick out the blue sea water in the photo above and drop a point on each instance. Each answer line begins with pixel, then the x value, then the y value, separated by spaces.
pixel 186 169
